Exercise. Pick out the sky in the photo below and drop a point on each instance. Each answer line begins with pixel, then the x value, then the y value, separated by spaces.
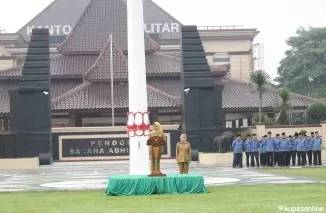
pixel 276 20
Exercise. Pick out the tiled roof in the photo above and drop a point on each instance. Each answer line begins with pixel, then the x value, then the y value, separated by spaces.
pixel 66 65
pixel 58 13
pixel 98 96
pixel 100 71
pixel 57 89
pixel 238 94
pixel 100 19
pixel 160 63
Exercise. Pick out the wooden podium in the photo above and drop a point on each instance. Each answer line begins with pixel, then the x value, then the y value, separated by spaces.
pixel 156 148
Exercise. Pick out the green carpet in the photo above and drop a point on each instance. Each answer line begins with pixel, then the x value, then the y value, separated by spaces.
pixel 143 185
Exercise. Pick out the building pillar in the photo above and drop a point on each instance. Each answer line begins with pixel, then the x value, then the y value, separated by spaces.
pixel 78 120
pixel 154 116
pixel 323 132
pixel 72 119
pixel 260 130
pixel 240 122
pixel 234 124
pixel 249 120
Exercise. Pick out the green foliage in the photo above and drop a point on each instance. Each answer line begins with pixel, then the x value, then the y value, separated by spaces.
pixel 265 119
pixel 282 105
pixel 224 137
pixel 317 111
pixel 303 70
pixel 244 133
pixel 303 132
pixel 260 80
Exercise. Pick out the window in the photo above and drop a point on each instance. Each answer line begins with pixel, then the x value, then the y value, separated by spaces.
pixel 221 58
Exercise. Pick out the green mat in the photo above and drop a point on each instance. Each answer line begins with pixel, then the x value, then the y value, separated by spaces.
pixel 143 185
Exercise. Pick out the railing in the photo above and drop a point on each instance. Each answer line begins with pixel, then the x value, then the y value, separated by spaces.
pixel 227 27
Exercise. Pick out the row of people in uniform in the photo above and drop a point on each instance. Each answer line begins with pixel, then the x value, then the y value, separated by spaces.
pixel 279 150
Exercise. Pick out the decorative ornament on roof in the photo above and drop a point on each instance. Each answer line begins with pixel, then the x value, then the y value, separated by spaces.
pixel 138 124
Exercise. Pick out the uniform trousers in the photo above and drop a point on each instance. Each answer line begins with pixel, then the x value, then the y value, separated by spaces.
pixel 255 156
pixel 237 160
pixel 270 158
pixel 317 157
pixel 248 154
pixel 309 155
pixel 301 158
pixel 183 167
pixel 293 154
pixel 263 159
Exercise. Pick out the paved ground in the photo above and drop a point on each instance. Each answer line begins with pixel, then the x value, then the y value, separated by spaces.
pixel 94 175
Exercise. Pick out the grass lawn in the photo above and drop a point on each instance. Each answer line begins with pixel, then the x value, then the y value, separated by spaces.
pixel 318 173
pixel 226 199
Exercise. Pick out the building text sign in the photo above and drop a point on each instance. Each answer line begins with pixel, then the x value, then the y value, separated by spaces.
pixel 149 28
pixel 95 147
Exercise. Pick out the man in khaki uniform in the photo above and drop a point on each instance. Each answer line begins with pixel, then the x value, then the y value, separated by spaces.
pixel 183 154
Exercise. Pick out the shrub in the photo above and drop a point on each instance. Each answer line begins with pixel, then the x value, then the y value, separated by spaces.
pixel 317 111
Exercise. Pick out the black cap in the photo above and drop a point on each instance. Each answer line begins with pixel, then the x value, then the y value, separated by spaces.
pixel 265 136
pixel 269 132
pixel 316 132
pixel 277 135
pixel 290 136
pixel 248 135
pixel 238 135
pixel 311 133
pixel 253 134
pixel 283 133
pixel 296 134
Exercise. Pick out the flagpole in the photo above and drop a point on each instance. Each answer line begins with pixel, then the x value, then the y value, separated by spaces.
pixel 111 71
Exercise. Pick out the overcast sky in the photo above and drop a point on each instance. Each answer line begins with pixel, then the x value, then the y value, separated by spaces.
pixel 275 19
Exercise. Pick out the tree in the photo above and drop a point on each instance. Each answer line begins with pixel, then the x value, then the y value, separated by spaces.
pixel 283 105
pixel 260 79
pixel 317 111
pixel 303 70
pixel 219 140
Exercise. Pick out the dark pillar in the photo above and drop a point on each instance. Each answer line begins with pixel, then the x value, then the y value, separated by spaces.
pixel 5 124
pixel 249 121
pixel 72 119
pixel 234 124
pixel 78 120
pixel 154 116
pixel 202 99
pixel 30 105
pixel 240 122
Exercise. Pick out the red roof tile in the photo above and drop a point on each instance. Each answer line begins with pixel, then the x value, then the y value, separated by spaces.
pixel 98 96
pixel 57 89
pixel 100 19
pixel 62 65
pixel 100 71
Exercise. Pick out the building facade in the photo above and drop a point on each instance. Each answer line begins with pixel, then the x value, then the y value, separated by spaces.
pixel 81 82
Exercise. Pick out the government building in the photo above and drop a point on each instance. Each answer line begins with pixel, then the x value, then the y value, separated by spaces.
pixel 80 47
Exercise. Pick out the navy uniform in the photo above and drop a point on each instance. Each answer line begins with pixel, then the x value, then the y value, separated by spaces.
pixel 237 146
pixel 247 149
pixel 317 143
pixel 309 147
pixel 254 151
pixel 270 148
pixel 301 146
pixel 262 151
pixel 283 151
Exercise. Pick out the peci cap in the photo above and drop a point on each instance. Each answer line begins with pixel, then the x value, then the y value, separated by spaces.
pixel 253 134
pixel 283 133
pixel 269 132
pixel 311 133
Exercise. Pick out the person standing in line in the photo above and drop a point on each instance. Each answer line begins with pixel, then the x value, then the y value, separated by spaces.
pixel 247 149
pixel 292 152
pixel 276 150
pixel 254 151
pixel 283 151
pixel 270 148
pixel 296 136
pixel 310 145
pixel 262 151
pixel 317 144
pixel 183 154
pixel 237 146
pixel 305 153
pixel 301 149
